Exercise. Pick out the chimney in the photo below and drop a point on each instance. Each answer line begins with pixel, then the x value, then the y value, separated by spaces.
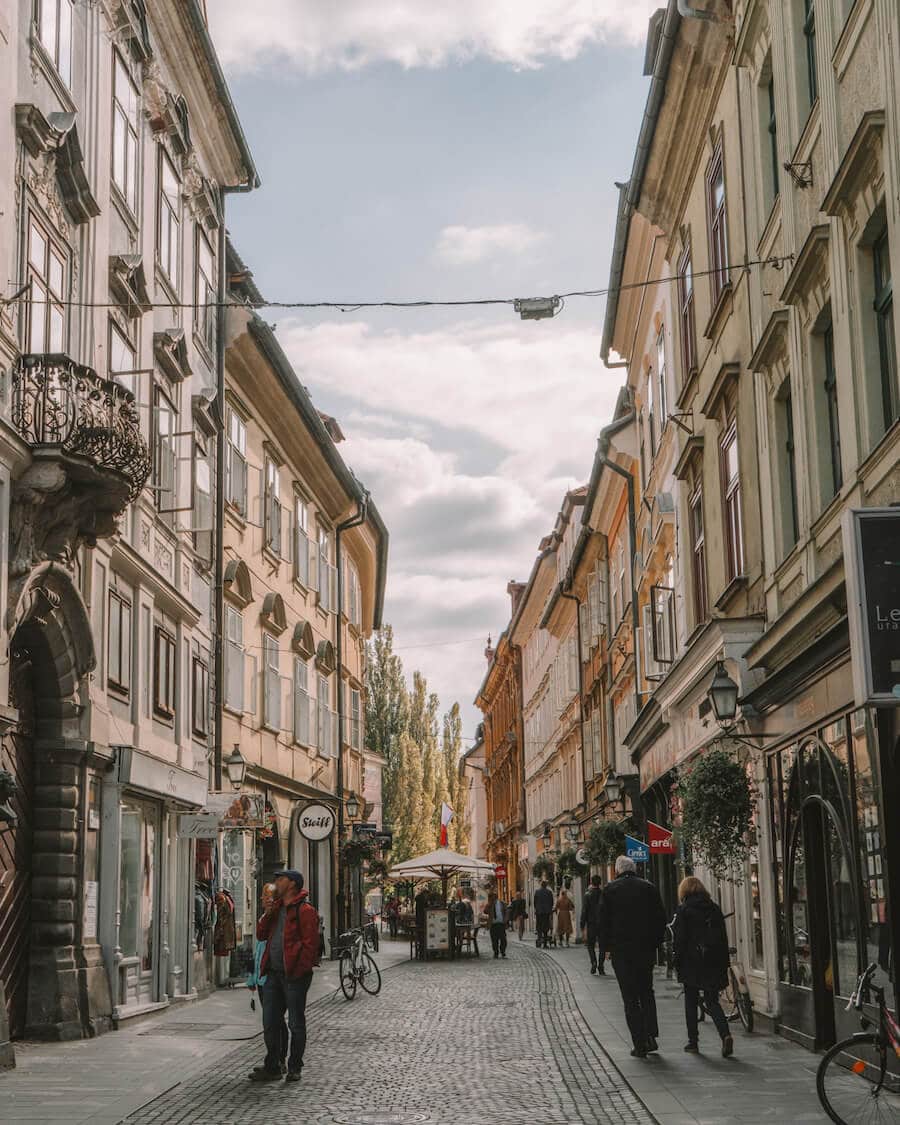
pixel 489 650
pixel 515 591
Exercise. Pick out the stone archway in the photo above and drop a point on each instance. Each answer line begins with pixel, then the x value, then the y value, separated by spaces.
pixel 52 653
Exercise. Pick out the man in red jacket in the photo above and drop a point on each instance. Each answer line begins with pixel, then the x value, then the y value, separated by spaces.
pixel 290 928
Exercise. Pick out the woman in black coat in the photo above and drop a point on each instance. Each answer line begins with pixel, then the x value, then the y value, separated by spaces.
pixel 701 959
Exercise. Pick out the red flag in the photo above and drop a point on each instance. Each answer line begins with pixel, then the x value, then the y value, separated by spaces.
pixel 446 817
pixel 660 839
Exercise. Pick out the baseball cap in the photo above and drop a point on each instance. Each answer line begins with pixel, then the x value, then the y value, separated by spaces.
pixel 292 874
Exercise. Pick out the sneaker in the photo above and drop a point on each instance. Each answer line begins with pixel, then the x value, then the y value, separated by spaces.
pixel 692 1048
pixel 727 1047
pixel 652 1045
pixel 292 1076
pixel 262 1074
pixel 503 955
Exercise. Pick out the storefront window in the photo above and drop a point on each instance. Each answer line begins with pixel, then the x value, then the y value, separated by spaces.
pixel 799 949
pixel 137 882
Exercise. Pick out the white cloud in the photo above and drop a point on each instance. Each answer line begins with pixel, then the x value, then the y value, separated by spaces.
pixel 316 36
pixel 463 246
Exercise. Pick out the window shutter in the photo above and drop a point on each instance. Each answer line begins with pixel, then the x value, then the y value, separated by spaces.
pixel 252 683
pixel 301 556
pixel 584 628
pixel 596 743
pixel 313 565
pixel 234 676
pixel 257 488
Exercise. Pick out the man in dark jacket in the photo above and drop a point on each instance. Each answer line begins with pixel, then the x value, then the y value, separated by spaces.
pixel 632 927
pixel 290 926
pixel 591 918
pixel 543 913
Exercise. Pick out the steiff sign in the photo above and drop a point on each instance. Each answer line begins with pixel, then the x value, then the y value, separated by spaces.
pixel 872 565
pixel 315 822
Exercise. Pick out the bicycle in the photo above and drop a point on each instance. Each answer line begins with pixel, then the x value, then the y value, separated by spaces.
pixel 738 1004
pixel 357 966
pixel 853 1081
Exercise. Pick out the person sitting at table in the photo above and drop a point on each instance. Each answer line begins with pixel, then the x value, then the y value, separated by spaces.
pixel 462 910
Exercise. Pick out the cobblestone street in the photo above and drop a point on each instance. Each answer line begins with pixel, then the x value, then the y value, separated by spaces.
pixel 470 1041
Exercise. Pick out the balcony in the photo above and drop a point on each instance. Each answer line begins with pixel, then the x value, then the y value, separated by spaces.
pixel 60 405
pixel 89 458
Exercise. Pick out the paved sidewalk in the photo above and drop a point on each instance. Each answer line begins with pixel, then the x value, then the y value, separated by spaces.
pixel 101 1081
pixel 769 1079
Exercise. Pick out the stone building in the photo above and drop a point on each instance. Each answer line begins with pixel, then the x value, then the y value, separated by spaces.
pixel 111 228
pixel 471 765
pixel 296 521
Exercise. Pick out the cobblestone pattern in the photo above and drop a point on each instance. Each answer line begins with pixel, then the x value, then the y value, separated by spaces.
pixel 466 1042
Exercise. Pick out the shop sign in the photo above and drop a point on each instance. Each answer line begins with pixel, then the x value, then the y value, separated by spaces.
pixel 198 826
pixel 637 850
pixel 500 871
pixel 872 568
pixel 238 810
pixel 315 822
pixel 143 771
pixel 661 841
pixel 91 890
pixel 582 858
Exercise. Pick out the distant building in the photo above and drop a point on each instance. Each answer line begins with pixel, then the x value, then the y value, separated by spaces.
pixel 472 767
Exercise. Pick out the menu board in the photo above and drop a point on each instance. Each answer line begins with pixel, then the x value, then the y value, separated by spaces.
pixel 437 930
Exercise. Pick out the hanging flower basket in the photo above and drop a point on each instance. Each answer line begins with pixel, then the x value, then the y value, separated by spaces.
pixel 606 841
pixel 717 813
pixel 568 865
pixel 356 852
pixel 271 818
pixel 542 868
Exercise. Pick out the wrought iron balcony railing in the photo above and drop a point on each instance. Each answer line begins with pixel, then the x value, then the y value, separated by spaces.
pixel 59 403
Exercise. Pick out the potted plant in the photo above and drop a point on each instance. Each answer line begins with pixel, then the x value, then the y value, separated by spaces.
pixel 568 866
pixel 542 867
pixel 717 813
pixel 606 841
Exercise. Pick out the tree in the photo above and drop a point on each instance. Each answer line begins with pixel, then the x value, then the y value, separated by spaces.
pixel 455 781
pixel 387 712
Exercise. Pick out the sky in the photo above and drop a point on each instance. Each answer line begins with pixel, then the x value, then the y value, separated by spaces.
pixel 468 150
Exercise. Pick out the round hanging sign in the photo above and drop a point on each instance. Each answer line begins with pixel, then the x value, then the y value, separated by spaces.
pixel 315 822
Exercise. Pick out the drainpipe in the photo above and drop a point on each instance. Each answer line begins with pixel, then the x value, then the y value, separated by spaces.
pixel 632 537
pixel 362 507
pixel 573 598
pixel 219 529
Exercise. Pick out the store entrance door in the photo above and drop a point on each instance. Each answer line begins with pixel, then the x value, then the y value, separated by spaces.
pixel 139 928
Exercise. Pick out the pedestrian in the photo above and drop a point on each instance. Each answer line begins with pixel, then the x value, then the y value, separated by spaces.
pixel 518 913
pixel 564 908
pixel 632 925
pixel 256 980
pixel 393 915
pixel 496 913
pixel 591 914
pixel 701 959
pixel 543 914
pixel 290 926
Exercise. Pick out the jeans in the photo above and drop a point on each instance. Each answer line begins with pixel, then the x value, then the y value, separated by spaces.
pixel 280 995
pixel 498 938
pixel 634 972
pixel 710 1003
pixel 544 923
pixel 520 926
pixel 596 952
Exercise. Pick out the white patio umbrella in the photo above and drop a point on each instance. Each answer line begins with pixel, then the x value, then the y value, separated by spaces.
pixel 439 864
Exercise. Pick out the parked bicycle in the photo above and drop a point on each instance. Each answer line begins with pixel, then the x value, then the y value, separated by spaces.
pixel 357 966
pixel 855 1081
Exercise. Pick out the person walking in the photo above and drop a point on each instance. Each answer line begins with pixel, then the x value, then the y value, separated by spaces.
pixel 290 927
pixel 591 915
pixel 392 910
pixel 543 913
pixel 496 912
pixel 700 951
pixel 564 908
pixel 257 979
pixel 518 913
pixel 632 926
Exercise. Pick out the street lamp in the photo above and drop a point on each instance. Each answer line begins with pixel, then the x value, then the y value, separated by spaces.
pixel 352 804
pixel 537 308
pixel 572 833
pixel 613 788
pixel 545 838
pixel 723 694
pixel 235 767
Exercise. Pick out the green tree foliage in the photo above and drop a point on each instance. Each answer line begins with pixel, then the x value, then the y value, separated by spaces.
pixel 387 712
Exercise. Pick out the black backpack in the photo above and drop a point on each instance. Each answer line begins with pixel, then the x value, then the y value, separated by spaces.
pixel 712 943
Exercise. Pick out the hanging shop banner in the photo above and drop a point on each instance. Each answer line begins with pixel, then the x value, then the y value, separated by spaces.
pixel 637 850
pixel 583 858
pixel 872 568
pixel 316 822
pixel 198 826
pixel 238 810
pixel 660 839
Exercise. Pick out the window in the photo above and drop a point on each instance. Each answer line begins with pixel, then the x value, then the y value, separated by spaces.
pixel 731 499
pixel 643 450
pixel 887 342
pixel 54 23
pixel 662 619
pixel 718 235
pixel 355 720
pixel 323 713
pixel 786 469
pixel 234 659
pixel 651 411
pixel 271 683
pixel 661 375
pixel 686 309
pixel 698 551
pixel 200 697
pixel 202 512
pixel 236 463
pixel 623 582
pixel 831 410
pixel 118 663
pixel 205 292
pixel 164 673
pixel 301 702
pixel 326 570
pixel 165 458
pixel 46 274
pixel 272 507
pixel 169 219
pixel 301 548
pixel 122 358
pixel 125 133
pixel 352 606
pixel 771 124
pixel 809 34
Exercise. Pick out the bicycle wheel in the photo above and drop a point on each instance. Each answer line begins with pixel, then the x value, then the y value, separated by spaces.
pixel 742 1005
pixel 369 976
pixel 745 1010
pixel 728 998
pixel 347 975
pixel 854 1084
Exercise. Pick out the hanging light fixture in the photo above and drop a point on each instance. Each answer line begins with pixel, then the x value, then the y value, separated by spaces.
pixel 235 767
pixel 352 805
pixel 723 694
pixel 613 787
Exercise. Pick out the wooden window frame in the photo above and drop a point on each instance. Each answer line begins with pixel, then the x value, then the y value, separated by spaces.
pixel 130 117
pixel 199 697
pixel 41 279
pixel 272 522
pixel 121 606
pixel 165 695
pixel 832 408
pixel 687 314
pixel 236 462
pixel 717 224
pixel 697 530
pixel 61 59
pixel 887 336
pixel 732 508
pixel 168 221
